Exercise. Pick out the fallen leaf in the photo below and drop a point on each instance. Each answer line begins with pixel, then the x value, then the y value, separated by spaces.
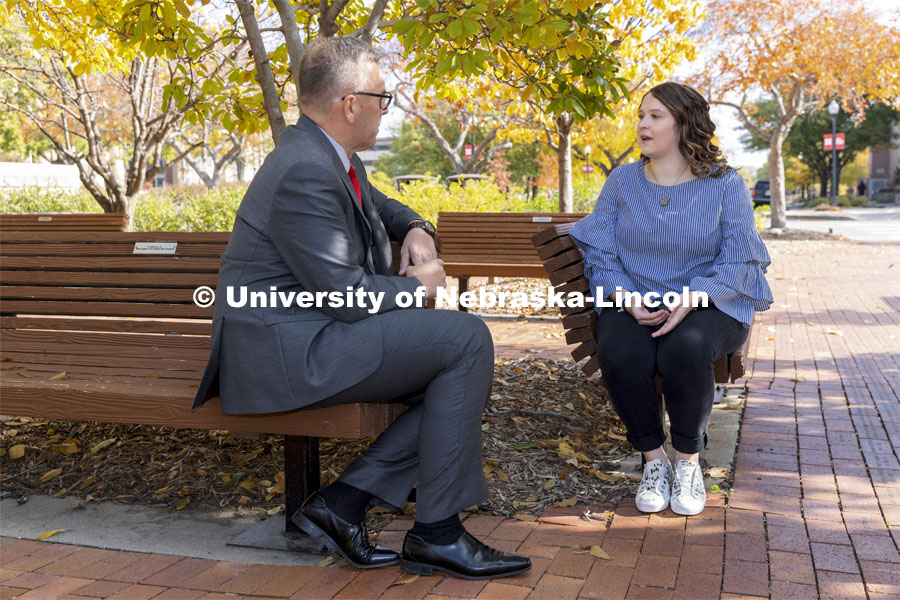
pixel 49 534
pixel 278 488
pixel 58 376
pixel 182 503
pixel 600 553
pixel 549 484
pixel 520 516
pixel 274 511
pixel 404 579
pixel 65 448
pixel 244 500
pixel 502 476
pixel 616 436
pixel 103 445
pixel 50 475
pixel 717 472
pixel 731 405
pixel 17 451
pixel 328 560
pixel 87 482
pixel 568 501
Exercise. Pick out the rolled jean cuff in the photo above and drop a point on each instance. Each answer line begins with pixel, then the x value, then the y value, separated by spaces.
pixel 687 445
pixel 646 443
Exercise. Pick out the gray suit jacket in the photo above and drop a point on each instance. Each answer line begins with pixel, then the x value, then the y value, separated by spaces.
pixel 300 228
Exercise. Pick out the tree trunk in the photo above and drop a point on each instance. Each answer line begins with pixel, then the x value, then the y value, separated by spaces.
pixel 564 162
pixel 776 179
pixel 824 182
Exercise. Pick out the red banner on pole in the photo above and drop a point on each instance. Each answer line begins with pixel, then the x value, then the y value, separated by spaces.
pixel 840 142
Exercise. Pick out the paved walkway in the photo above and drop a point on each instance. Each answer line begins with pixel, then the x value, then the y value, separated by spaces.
pixel 814 513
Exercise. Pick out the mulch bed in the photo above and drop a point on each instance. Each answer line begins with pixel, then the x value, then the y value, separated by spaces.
pixel 550 436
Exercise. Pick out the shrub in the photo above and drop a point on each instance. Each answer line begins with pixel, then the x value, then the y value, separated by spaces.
pixel 763 216
pixel 34 199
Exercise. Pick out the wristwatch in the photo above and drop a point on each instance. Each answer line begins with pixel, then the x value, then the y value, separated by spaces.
pixel 428 227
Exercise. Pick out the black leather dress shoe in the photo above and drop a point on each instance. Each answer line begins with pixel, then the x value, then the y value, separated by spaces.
pixel 351 540
pixel 467 558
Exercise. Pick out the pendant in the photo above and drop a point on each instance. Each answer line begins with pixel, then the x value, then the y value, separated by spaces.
pixel 664 201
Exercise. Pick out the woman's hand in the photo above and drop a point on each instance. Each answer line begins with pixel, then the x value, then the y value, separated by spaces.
pixel 640 314
pixel 645 317
pixel 675 318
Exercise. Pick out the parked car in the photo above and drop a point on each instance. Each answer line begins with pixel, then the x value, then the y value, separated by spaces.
pixel 760 193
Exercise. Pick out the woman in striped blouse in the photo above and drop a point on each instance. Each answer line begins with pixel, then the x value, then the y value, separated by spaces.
pixel 678 218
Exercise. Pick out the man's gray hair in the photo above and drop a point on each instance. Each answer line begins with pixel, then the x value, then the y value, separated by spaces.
pixel 331 67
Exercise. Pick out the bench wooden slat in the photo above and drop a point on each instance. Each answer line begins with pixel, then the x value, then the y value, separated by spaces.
pixel 98 309
pixel 84 401
pixel 111 279
pixel 171 264
pixel 168 295
pixel 96 250
pixel 192 327
pixel 47 368
pixel 63 221
pixel 160 364
pixel 93 237
pixel 492 269
pixel 199 343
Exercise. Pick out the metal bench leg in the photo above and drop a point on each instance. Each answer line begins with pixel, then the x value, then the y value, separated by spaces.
pixel 301 474
pixel 301 478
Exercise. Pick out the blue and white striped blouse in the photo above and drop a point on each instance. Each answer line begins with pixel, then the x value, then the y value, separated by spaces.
pixel 705 238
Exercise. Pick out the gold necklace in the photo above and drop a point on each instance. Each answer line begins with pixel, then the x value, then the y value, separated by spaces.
pixel 664 201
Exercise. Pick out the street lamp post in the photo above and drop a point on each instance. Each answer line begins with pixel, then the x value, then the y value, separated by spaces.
pixel 833 110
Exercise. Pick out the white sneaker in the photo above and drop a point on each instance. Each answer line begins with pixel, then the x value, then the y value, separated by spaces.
pixel 656 487
pixel 688 493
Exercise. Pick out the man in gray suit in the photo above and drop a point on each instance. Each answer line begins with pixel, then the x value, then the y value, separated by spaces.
pixel 310 222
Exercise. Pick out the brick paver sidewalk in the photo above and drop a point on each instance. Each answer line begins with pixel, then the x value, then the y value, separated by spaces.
pixel 814 513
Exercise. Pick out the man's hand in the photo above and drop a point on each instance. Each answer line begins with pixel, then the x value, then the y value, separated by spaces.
pixel 418 248
pixel 674 319
pixel 431 274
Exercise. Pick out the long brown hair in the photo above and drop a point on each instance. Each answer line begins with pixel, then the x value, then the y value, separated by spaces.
pixel 695 128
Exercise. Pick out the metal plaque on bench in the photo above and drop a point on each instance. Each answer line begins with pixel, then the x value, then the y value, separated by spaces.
pixel 154 247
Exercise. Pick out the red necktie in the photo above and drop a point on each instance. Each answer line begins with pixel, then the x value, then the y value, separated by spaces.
pixel 355 181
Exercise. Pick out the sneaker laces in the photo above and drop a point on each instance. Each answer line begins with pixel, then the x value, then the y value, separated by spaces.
pixel 653 472
pixel 686 477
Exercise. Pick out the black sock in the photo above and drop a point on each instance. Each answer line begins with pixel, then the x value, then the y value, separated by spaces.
pixel 348 502
pixel 443 532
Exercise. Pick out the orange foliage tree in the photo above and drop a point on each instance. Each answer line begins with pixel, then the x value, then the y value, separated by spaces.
pixel 801 56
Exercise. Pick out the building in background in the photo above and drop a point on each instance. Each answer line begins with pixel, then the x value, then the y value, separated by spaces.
pixel 884 166
pixel 382 146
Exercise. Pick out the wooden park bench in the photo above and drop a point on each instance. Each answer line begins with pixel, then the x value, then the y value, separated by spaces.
pixel 493 244
pixel 63 222
pixel 564 265
pixel 114 311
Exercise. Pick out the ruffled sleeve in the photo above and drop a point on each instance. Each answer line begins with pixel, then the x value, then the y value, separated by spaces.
pixel 595 235
pixel 736 280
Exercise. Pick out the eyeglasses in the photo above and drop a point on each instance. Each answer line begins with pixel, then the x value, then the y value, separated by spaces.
pixel 383 103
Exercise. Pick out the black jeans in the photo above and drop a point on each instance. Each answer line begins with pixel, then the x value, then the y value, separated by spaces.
pixel 629 359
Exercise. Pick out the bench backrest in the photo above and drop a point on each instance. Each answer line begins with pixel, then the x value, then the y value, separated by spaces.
pixel 494 237
pixel 63 222
pixel 108 281
pixel 90 321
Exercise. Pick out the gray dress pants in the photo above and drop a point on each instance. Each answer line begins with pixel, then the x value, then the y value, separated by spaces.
pixel 440 363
